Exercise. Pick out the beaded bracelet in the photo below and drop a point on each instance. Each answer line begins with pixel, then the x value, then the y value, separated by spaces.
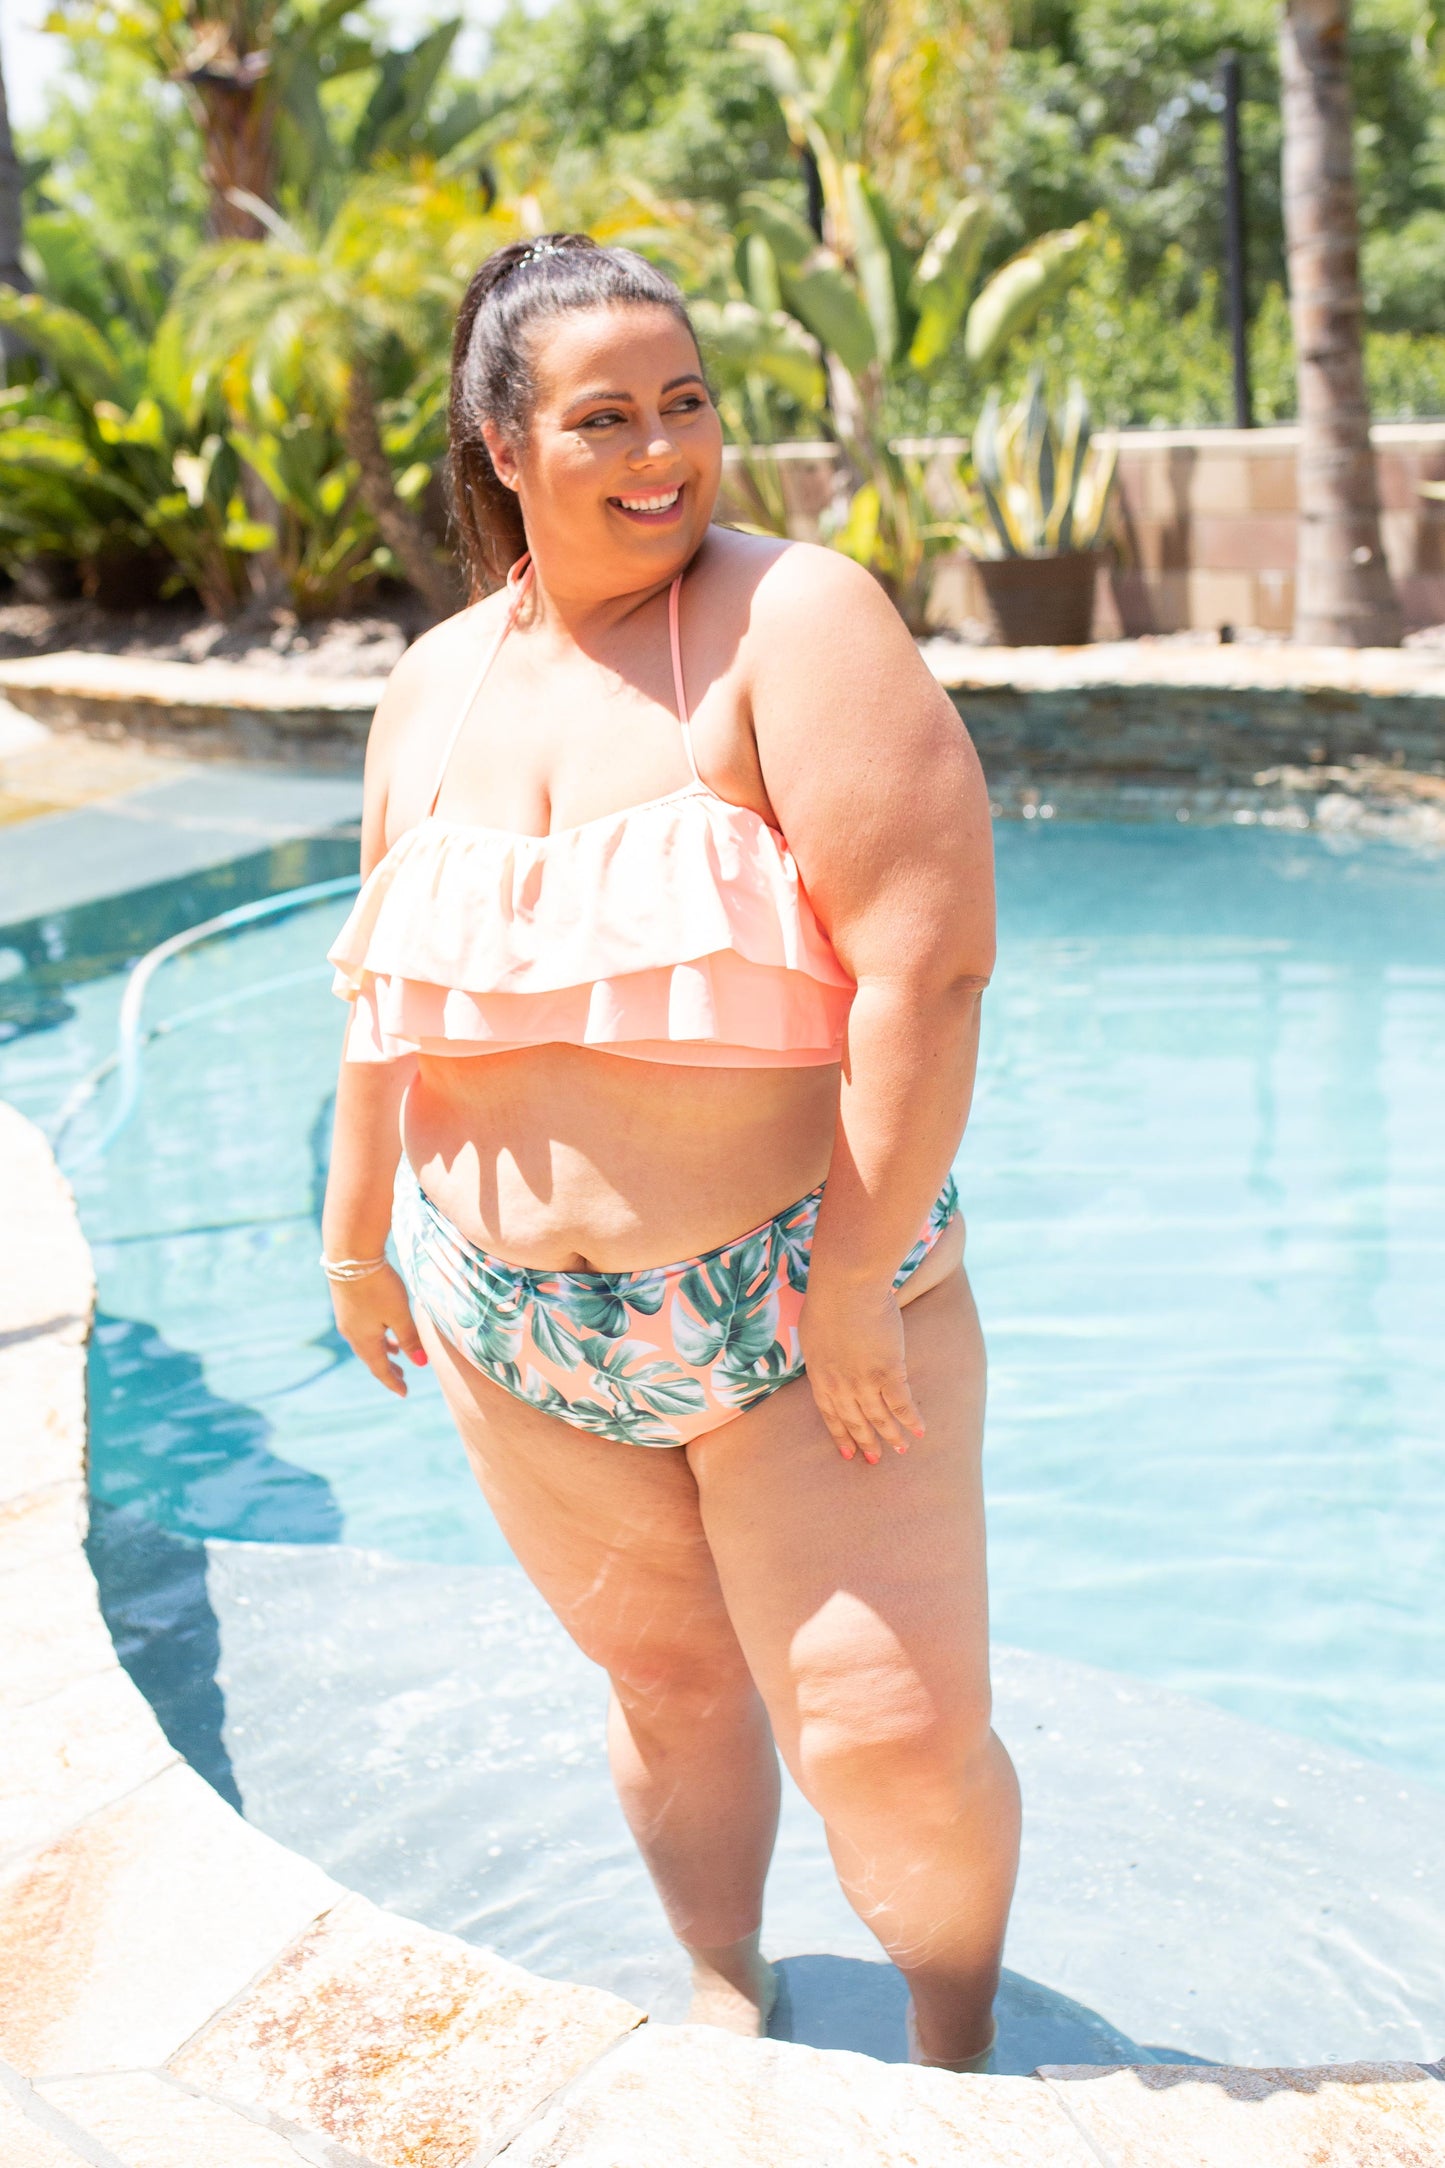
pixel 351 1268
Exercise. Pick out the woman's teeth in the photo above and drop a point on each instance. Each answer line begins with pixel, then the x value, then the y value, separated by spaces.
pixel 650 504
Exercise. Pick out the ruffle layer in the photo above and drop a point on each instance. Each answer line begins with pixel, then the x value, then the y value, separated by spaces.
pixel 718 1007
pixel 486 912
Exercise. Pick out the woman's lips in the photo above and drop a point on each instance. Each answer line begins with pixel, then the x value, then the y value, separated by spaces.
pixel 650 508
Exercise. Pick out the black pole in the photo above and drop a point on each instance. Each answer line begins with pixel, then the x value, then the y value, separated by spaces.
pixel 1229 83
pixel 813 182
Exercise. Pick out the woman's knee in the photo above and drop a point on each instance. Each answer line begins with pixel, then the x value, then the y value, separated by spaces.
pixel 877 1733
pixel 682 1685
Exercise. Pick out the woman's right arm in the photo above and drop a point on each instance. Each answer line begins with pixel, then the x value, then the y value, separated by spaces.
pixel 373 1315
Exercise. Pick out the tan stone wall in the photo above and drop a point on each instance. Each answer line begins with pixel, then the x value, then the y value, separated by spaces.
pixel 1205 528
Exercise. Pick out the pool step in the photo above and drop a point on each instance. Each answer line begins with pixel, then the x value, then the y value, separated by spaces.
pixel 179 1991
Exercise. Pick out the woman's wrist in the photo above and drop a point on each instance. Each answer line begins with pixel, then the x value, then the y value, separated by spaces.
pixel 354 1235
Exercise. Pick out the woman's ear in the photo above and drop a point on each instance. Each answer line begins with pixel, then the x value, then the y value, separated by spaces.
pixel 500 452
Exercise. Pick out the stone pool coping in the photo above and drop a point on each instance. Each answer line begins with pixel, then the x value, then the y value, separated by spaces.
pixel 176 1989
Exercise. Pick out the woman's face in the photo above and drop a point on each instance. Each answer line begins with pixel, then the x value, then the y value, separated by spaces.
pixel 619 472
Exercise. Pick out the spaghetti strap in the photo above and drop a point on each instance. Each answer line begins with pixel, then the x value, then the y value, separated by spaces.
pixel 519 582
pixel 675 636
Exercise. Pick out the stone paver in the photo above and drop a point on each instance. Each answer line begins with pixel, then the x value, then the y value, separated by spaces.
pixel 685 2094
pixel 25 2144
pixel 408 2046
pixel 1346 2115
pixel 42 1393
pixel 50 1629
pixel 149 2123
pixel 46 1523
pixel 72 1753
pixel 120 1940
pixel 46 1282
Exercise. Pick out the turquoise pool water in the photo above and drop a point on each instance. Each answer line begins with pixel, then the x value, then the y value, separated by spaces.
pixel 1205 1180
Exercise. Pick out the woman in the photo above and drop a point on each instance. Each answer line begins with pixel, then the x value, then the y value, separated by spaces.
pixel 677 914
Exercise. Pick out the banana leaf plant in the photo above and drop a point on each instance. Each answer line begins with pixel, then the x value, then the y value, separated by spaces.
pixel 352 317
pixel 1044 483
pixel 877 306
pixel 121 461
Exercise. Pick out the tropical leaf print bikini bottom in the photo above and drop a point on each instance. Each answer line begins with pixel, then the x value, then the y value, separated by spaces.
pixel 649 1358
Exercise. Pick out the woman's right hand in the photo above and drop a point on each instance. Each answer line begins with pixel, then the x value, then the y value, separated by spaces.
pixel 374 1318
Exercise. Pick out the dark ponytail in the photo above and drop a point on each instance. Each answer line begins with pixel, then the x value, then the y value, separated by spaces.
pixel 492 379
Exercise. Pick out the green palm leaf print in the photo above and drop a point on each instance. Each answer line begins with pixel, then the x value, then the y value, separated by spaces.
pixel 635 1373
pixel 745 1388
pixel 734 1307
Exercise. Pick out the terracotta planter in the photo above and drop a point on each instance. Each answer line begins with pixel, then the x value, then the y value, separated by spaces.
pixel 1040 601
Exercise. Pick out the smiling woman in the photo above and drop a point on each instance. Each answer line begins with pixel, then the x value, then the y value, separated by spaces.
pixel 665 979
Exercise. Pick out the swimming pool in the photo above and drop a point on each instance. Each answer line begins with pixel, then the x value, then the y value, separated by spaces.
pixel 1204 1179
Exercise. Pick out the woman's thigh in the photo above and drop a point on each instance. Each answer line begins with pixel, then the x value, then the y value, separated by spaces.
pixel 859 1593
pixel 609 1533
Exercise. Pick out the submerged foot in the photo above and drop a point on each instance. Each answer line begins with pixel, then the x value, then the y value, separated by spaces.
pixel 733 1988
pixel 965 2066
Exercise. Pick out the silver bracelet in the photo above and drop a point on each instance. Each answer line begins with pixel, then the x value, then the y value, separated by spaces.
pixel 351 1268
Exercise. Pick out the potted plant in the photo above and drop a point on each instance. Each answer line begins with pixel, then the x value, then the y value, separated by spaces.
pixel 1043 494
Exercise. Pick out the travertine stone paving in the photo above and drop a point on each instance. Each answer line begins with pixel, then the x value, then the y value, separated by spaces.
pixel 178 1991
pixel 121 1938
pixel 1350 2115
pixel 682 2093
pixel 149 2122
pixel 73 1753
pixel 405 2044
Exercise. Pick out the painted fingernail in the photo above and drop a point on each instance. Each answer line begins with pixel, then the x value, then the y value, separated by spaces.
pixel 418 1356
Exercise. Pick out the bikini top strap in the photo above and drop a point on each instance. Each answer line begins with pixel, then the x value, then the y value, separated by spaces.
pixel 519 579
pixel 675 636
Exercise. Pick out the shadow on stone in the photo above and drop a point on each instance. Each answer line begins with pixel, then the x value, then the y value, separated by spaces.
pixel 154 1600
pixel 850 2002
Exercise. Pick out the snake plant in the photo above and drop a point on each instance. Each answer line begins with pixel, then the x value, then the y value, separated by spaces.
pixel 1045 484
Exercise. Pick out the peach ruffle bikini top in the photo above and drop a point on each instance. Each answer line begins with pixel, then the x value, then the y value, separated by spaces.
pixel 675 931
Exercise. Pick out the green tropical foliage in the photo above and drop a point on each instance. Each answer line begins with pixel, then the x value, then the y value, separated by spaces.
pixel 1044 484
pixel 118 461
pixel 881 303
pixel 291 99
pixel 276 426
pixel 352 321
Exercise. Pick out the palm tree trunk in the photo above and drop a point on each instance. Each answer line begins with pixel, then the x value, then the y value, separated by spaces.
pixel 226 65
pixel 438 583
pixel 1344 594
pixel 10 228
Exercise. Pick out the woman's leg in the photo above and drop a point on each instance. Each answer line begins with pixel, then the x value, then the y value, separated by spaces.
pixel 858 1594
pixel 610 1535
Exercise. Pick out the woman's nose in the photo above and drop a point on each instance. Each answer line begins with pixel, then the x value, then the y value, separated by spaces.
pixel 658 445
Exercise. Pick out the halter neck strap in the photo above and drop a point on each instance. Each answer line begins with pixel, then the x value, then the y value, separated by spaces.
pixel 519 579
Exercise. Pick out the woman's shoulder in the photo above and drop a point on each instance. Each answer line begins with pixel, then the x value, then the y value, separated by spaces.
pixel 431 675
pixel 803 587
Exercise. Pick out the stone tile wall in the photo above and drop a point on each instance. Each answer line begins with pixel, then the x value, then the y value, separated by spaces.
pixel 1205 527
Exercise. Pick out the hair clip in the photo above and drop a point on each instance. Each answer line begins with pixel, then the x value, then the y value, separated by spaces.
pixel 538 250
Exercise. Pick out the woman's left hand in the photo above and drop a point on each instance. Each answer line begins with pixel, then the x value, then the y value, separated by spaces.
pixel 852 1342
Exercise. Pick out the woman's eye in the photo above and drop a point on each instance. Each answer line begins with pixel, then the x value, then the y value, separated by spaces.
pixel 600 421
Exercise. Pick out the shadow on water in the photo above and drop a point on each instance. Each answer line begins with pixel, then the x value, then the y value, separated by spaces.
pixel 851 2002
pixel 163 1444
pixel 154 1600
pixel 170 1462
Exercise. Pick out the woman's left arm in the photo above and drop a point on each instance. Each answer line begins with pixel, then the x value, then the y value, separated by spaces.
pixel 878 789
